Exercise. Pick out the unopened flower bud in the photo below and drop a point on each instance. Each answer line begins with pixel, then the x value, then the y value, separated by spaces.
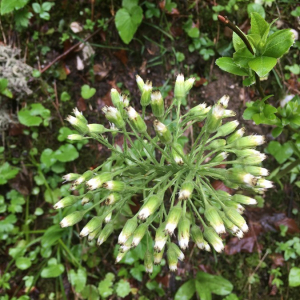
pixel 108 217
pixel 146 93
pixel 224 101
pixel 140 83
pixel 236 135
pixel 216 144
pixel 197 236
pixel 238 207
pixel 94 234
pixel 236 218
pixel 228 224
pixel 178 252
pixel 163 132
pixel 136 120
pixel 244 199
pixel 158 257
pixel 139 234
pixel 124 101
pixel 177 155
pixel 84 177
pixel 212 216
pixel 96 128
pixel 112 198
pixel 157 104
pixel 120 256
pixel 97 181
pixel 127 245
pixel 114 185
pixel 173 219
pixel 115 98
pixel 184 233
pixel 128 230
pixel 70 177
pixel 179 90
pixel 228 113
pixel 186 190
pixel 188 84
pixel 200 110
pixel 78 123
pixel 78 114
pixel 87 198
pixel 227 128
pixel 214 118
pixel 92 225
pixel 160 238
pixel 105 233
pixel 172 259
pixel 149 207
pixel 212 237
pixel 114 116
pixel 263 183
pixel 76 137
pixel 148 261
pixel 66 201
pixel 240 177
pixel 256 171
pixel 72 219
pixel 252 159
pixel 219 157
pixel 249 141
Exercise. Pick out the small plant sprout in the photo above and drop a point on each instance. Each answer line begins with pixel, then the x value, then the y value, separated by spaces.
pixel 172 182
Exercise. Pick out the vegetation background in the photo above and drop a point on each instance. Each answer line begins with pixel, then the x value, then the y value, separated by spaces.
pixel 57 55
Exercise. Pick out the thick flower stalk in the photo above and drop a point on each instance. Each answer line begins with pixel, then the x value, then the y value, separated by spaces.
pixel 173 180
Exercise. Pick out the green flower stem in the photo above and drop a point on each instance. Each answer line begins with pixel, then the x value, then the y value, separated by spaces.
pixel 168 110
pixel 182 156
pixel 197 213
pixel 178 117
pixel 94 205
pixel 192 155
pixel 70 254
pixel 127 137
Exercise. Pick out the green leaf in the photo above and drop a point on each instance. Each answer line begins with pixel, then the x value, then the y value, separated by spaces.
pixel 27 119
pixel 257 9
pixel 203 291
pixel 238 43
pixel 22 18
pixel 46 6
pixel 129 4
pixel 48 157
pixel 7 172
pixel 90 292
pixel 45 15
pixel 36 8
pixel 217 284
pixel 51 236
pixel 65 96
pixel 87 92
pixel 258 25
pixel 127 23
pixel 186 291
pixel 137 272
pixel 6 225
pixel 23 263
pixel 249 81
pixel 278 43
pixel 52 271
pixel 280 152
pixel 105 286
pixel 277 131
pixel 296 12
pixel 66 153
pixel 262 65
pixel 227 64
pixel 242 57
pixel 8 6
pixel 78 280
pixel 123 288
pixel 294 277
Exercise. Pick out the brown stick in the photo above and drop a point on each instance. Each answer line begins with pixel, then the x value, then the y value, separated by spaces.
pixel 68 51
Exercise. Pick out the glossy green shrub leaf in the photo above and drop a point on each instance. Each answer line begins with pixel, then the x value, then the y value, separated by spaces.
pixel 227 64
pixel 127 22
pixel 186 291
pixel 238 43
pixel 262 65
pixel 8 6
pixel 23 263
pixel 278 43
pixel 294 277
pixel 203 291
pixel 256 8
pixel 258 24
pixel 242 57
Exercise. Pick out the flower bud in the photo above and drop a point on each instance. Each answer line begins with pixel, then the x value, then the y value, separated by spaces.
pixel 228 113
pixel 140 83
pixel 163 132
pixel 87 198
pixel 216 144
pixel 94 234
pixel 200 110
pixel 97 181
pixel 76 137
pixel 66 201
pixel 115 98
pixel 120 256
pixel 178 252
pixel 256 171
pixel 105 233
pixel 127 245
pixel 128 230
pixel 212 216
pixel 92 225
pixel 211 236
pixel 78 114
pixel 157 104
pixel 96 128
pixel 236 218
pixel 178 158
pixel 263 183
pixel 146 93
pixel 197 237
pixel 240 177
pixel 78 124
pixel 158 257
pixel 236 135
pixel 72 219
pixel 114 116
pixel 186 190
pixel 136 120
pixel 112 198
pixel 70 177
pixel 188 84
pixel 108 217
pixel 149 207
pixel 124 101
pixel 243 199
pixel 172 259
pixel 114 185
pixel 224 101
pixel 238 207
pixel 214 118
pixel 219 157
pixel 249 141
pixel 139 234
pixel 84 177
pixel 148 261
pixel 184 233
pixel 252 159
pixel 227 128
pixel 228 224
pixel 179 90
pixel 160 238
pixel 173 219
